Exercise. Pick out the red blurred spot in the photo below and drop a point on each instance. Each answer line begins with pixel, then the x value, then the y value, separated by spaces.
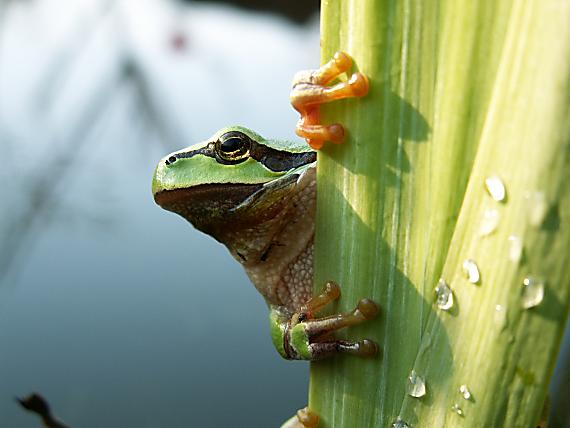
pixel 179 41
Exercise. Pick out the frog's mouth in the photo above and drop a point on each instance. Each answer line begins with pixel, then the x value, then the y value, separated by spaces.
pixel 207 196
pixel 206 203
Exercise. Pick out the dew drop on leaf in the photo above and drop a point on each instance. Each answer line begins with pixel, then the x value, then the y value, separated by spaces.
pixel 471 271
pixel 444 295
pixel 416 386
pixel 496 188
pixel 533 292
pixel 500 317
pixel 399 423
pixel 537 207
pixel 455 408
pixel 490 222
pixel 515 248
pixel 464 391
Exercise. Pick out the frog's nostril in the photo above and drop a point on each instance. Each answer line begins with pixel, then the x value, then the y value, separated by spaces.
pixel 170 160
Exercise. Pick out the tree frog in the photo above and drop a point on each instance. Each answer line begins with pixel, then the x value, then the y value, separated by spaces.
pixel 258 198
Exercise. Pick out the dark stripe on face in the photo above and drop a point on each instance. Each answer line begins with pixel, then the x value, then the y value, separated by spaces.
pixel 278 160
pixel 273 159
pixel 206 151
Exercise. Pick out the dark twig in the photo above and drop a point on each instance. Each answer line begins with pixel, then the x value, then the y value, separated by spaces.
pixel 35 403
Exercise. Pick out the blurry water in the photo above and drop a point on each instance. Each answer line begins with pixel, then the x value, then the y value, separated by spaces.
pixel 117 311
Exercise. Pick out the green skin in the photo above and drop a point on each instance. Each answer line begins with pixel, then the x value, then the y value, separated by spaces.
pixel 258 198
pixel 248 204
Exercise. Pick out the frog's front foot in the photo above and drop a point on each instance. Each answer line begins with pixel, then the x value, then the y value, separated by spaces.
pixel 310 90
pixel 305 337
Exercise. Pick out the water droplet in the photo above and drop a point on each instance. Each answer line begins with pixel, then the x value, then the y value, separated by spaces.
pixel 399 423
pixel 444 295
pixel 455 408
pixel 416 386
pixel 533 292
pixel 537 207
pixel 471 271
pixel 515 248
pixel 464 391
pixel 501 316
pixel 490 222
pixel 496 188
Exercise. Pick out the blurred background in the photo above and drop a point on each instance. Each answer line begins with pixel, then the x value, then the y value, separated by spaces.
pixel 118 312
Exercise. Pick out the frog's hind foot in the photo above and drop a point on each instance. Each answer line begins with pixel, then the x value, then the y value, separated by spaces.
pixel 310 90
pixel 330 293
pixel 363 348
pixel 365 310
pixel 305 418
pixel 318 330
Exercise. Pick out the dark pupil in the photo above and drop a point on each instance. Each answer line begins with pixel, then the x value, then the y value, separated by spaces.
pixel 231 144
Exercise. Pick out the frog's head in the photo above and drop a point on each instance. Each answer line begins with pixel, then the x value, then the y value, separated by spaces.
pixel 234 173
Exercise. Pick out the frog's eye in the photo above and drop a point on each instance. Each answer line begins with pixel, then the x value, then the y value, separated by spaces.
pixel 233 147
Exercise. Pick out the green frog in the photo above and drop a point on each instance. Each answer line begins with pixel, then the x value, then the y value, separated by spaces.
pixel 258 197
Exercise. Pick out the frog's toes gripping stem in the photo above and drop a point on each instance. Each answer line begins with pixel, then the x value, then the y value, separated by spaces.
pixel 308 337
pixel 310 90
